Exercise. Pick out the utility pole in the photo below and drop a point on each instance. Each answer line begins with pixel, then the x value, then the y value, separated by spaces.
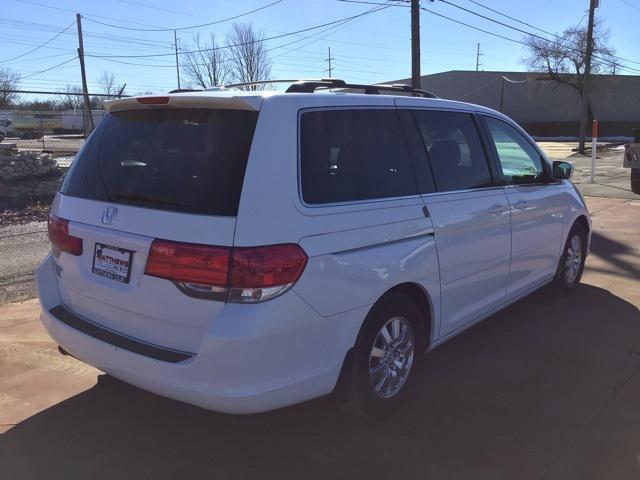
pixel 88 118
pixel 587 74
pixel 175 46
pixel 415 43
pixel 329 58
pixel 478 54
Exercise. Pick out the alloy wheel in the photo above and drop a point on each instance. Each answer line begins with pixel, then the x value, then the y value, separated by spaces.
pixel 391 357
pixel 573 260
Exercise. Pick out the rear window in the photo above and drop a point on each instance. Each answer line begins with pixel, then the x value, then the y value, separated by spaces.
pixel 184 160
pixel 350 155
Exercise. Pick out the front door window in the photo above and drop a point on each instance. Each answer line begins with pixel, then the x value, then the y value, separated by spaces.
pixel 521 163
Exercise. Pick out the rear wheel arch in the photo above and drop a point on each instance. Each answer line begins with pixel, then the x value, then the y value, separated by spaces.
pixel 422 299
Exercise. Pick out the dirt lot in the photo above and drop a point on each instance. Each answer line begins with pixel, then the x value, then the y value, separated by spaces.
pixel 548 388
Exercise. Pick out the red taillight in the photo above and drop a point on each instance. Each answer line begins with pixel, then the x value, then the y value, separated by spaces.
pixel 248 274
pixel 271 266
pixel 153 100
pixel 58 229
pixel 191 263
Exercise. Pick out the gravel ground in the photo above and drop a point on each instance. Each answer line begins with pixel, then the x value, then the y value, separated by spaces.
pixel 23 247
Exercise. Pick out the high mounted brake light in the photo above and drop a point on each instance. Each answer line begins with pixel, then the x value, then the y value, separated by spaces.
pixel 153 100
pixel 239 274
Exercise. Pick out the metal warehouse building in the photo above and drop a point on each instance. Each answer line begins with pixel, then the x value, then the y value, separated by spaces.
pixel 544 107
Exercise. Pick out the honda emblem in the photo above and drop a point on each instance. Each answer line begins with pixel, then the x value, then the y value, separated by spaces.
pixel 109 215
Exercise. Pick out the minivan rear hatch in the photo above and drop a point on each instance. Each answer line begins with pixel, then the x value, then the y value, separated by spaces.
pixel 165 170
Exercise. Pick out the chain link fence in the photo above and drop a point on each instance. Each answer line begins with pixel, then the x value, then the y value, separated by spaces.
pixel 40 134
pixel 45 121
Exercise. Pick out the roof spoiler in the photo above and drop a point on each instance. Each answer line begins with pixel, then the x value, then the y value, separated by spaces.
pixel 197 99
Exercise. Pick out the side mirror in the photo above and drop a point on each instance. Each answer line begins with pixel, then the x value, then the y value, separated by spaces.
pixel 562 170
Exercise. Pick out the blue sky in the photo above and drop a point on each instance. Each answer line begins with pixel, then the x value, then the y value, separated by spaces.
pixel 372 48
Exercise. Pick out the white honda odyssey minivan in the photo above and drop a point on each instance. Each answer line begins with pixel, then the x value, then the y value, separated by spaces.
pixel 244 251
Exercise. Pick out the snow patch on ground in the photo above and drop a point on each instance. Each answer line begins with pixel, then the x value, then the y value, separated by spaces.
pixel 65 161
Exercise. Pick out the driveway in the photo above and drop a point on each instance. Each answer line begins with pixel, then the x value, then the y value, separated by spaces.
pixel 548 388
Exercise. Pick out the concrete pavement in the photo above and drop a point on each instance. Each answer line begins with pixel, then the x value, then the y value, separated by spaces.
pixel 611 180
pixel 548 388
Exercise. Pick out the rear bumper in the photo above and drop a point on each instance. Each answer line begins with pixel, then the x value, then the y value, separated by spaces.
pixel 253 358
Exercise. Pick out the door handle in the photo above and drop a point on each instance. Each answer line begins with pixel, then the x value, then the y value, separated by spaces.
pixel 497 210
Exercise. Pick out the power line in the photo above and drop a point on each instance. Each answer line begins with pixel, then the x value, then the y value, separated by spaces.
pixel 502 24
pixel 50 68
pixel 632 5
pixel 609 61
pixel 41 5
pixel 334 27
pixel 42 27
pixel 41 45
pixel 334 22
pixel 331 29
pixel 526 32
pixel 43 58
pixel 512 18
pixel 153 7
pixel 187 27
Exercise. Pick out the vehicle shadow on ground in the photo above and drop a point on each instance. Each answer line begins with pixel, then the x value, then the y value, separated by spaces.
pixel 503 400
pixel 613 253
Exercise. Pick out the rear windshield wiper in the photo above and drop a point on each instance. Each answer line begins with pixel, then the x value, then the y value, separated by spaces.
pixel 140 198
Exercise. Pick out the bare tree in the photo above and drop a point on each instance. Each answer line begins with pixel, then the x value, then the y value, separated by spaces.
pixel 8 81
pixel 70 98
pixel 248 58
pixel 564 61
pixel 206 65
pixel 109 85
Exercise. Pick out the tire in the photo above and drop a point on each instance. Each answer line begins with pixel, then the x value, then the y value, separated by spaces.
pixel 399 315
pixel 635 180
pixel 572 261
pixel 1 136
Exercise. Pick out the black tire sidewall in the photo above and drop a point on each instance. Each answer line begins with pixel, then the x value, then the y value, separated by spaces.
pixel 635 180
pixel 395 304
pixel 560 280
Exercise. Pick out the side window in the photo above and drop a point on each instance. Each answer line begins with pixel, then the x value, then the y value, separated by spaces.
pixel 520 162
pixel 454 149
pixel 350 155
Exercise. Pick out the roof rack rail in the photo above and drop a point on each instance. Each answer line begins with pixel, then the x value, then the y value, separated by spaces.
pixel 263 82
pixel 310 86
pixel 184 90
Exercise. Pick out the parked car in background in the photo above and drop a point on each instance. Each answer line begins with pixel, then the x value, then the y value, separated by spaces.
pixel 244 251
